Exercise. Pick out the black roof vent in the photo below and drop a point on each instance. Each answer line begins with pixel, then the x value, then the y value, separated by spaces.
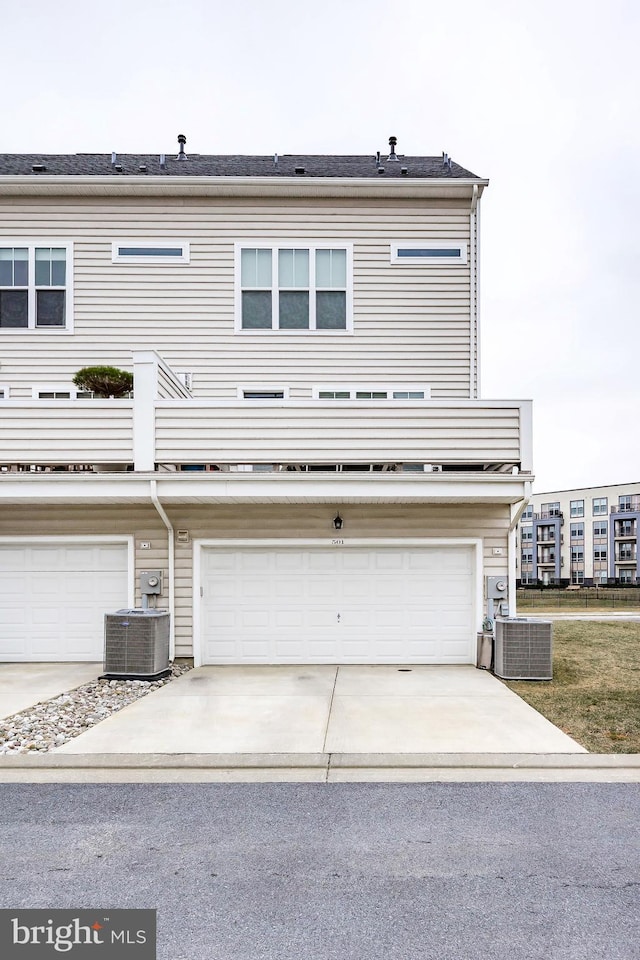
pixel 380 169
pixel 392 148
pixel 118 167
pixel 181 141
pixel 299 169
pixel 404 171
pixel 38 168
pixel 142 168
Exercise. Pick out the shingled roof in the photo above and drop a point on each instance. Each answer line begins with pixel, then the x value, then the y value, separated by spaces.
pixel 204 165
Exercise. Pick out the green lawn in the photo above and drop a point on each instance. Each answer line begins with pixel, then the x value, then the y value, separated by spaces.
pixel 595 692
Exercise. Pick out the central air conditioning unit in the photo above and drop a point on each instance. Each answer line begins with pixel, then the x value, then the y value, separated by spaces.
pixel 136 645
pixel 523 649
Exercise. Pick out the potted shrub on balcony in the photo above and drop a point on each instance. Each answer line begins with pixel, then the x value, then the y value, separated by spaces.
pixel 104 382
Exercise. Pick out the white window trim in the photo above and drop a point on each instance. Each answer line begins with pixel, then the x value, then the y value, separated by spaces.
pixel 389 388
pixel 262 388
pixel 429 245
pixel 31 244
pixel 117 257
pixel 310 245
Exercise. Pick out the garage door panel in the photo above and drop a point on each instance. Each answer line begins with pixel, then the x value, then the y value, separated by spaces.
pixel 55 609
pixel 400 604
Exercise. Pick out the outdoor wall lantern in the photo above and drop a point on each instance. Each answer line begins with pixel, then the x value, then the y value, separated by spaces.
pixel 338 521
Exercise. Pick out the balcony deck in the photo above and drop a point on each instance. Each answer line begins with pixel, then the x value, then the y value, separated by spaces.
pixel 170 433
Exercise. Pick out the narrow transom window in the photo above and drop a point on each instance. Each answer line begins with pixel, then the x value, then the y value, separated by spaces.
pixel 150 251
pixel 263 394
pixel 295 288
pixel 35 286
pixel 429 252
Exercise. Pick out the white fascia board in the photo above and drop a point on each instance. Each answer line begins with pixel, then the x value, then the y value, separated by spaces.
pixel 264 488
pixel 143 185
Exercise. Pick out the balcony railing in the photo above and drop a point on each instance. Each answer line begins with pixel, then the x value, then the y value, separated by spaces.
pixel 163 427
pixel 632 507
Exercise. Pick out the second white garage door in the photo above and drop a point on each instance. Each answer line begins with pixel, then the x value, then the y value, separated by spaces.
pixel 338 605
pixel 53 597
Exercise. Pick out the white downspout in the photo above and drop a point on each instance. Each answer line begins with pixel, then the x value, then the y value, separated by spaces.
pixel 172 567
pixel 517 509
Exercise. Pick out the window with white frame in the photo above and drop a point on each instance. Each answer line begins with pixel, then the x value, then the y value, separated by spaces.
pixel 150 251
pixel 526 533
pixel 372 392
pixel 427 252
pixel 599 506
pixel 577 531
pixel 293 288
pixel 600 553
pixel 60 392
pixel 576 508
pixel 600 528
pixel 527 513
pixel 35 285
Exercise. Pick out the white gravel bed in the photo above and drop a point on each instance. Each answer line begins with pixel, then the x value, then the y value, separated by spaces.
pixel 54 722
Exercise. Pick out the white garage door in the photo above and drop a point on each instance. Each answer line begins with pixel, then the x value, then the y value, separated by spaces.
pixel 53 597
pixel 338 605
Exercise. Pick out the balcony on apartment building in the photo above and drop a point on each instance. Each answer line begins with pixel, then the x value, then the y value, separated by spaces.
pixel 626 553
pixel 546 558
pixel 625 529
pixel 628 505
pixel 162 428
pixel 549 535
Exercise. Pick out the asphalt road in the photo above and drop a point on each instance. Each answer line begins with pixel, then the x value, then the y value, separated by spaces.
pixel 317 872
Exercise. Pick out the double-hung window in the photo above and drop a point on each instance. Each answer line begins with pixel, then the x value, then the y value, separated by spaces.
pixel 35 285
pixel 293 288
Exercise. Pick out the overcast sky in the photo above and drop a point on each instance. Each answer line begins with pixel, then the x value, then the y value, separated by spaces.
pixel 540 97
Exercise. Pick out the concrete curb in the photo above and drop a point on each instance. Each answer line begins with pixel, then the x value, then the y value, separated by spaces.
pixel 293 761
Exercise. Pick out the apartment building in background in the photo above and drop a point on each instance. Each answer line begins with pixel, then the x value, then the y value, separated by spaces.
pixel 587 536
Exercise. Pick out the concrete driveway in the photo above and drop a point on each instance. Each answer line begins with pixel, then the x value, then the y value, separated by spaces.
pixel 22 685
pixel 327 710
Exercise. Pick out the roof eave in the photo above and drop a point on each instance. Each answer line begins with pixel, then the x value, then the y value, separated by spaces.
pixel 181 186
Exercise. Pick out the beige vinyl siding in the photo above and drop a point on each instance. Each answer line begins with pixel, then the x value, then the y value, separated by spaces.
pixel 323 433
pixel 490 522
pixel 411 322
pixel 66 432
